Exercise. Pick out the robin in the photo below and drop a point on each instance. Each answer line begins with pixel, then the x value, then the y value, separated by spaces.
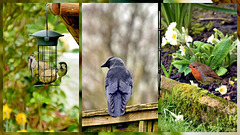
pixel 203 73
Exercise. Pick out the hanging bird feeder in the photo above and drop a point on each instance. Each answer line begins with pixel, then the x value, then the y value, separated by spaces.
pixel 47 56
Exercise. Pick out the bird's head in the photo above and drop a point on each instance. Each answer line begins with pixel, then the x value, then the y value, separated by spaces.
pixel 63 65
pixel 112 62
pixel 31 56
pixel 195 65
pixel 30 59
pixel 195 70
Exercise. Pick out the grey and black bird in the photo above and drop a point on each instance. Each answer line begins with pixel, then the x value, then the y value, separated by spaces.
pixel 31 63
pixel 62 70
pixel 118 86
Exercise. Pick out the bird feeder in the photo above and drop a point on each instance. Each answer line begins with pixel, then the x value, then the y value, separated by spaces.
pixel 47 56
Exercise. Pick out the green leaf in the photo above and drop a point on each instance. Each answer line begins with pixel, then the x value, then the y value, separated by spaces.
pixel 209 60
pixel 46 118
pixel 199 45
pixel 187 71
pixel 226 10
pixel 75 51
pixel 221 71
pixel 206 48
pixel 72 127
pixel 181 62
pixel 40 98
pixel 220 52
pixel 182 69
pixel 193 59
pixel 164 70
pixel 177 66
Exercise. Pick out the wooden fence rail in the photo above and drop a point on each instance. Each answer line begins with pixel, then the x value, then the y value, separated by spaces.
pixel 138 118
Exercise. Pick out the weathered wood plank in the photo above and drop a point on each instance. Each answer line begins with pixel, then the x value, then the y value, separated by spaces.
pixel 142 126
pixel 69 9
pixel 72 24
pixel 141 107
pixel 69 15
pixel 149 126
pixel 125 127
pixel 64 9
pixel 105 128
pixel 155 126
pixel 128 117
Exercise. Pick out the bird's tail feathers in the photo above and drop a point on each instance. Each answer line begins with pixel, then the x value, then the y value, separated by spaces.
pixel 117 104
pixel 32 72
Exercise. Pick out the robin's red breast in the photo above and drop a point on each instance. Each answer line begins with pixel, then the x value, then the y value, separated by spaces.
pixel 203 73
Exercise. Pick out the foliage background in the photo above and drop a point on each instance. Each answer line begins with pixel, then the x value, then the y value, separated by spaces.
pixel 44 107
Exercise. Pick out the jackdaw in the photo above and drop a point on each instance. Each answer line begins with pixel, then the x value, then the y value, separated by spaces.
pixel 118 86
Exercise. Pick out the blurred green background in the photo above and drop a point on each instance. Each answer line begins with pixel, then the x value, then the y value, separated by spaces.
pixel 46 108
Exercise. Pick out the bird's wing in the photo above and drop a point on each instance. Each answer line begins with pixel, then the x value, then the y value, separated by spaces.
pixel 210 73
pixel 34 63
pixel 112 100
pixel 125 86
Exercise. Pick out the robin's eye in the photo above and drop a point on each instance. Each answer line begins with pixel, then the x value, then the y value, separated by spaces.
pixel 193 66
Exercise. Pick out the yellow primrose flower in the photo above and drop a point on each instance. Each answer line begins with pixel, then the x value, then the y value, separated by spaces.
pixel 222 89
pixel 6 112
pixel 21 118
pixel 23 130
pixel 210 39
pixel 231 82
pixel 188 40
pixel 50 130
pixel 164 41
pixel 183 50
pixel 172 26
pixel 171 37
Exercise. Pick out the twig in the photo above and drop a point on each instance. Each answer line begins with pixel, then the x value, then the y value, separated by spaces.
pixel 224 19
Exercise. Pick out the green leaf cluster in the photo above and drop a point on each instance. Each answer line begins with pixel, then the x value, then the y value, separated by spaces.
pixel 181 13
pixel 219 57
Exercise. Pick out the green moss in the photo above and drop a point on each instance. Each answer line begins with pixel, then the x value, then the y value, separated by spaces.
pixel 209 26
pixel 184 98
pixel 198 28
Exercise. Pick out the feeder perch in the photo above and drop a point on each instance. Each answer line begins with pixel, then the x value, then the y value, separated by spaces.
pixel 47 56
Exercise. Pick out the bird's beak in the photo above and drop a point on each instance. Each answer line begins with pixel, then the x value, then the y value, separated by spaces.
pixel 105 65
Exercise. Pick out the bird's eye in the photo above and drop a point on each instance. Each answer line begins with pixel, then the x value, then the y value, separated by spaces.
pixel 193 66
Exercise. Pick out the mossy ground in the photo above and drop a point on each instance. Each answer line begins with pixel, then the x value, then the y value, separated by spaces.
pixel 198 117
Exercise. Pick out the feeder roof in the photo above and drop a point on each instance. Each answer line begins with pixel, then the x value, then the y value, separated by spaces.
pixel 43 33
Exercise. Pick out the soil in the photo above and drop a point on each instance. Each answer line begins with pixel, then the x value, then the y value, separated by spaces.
pixel 227 28
pixel 208 15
